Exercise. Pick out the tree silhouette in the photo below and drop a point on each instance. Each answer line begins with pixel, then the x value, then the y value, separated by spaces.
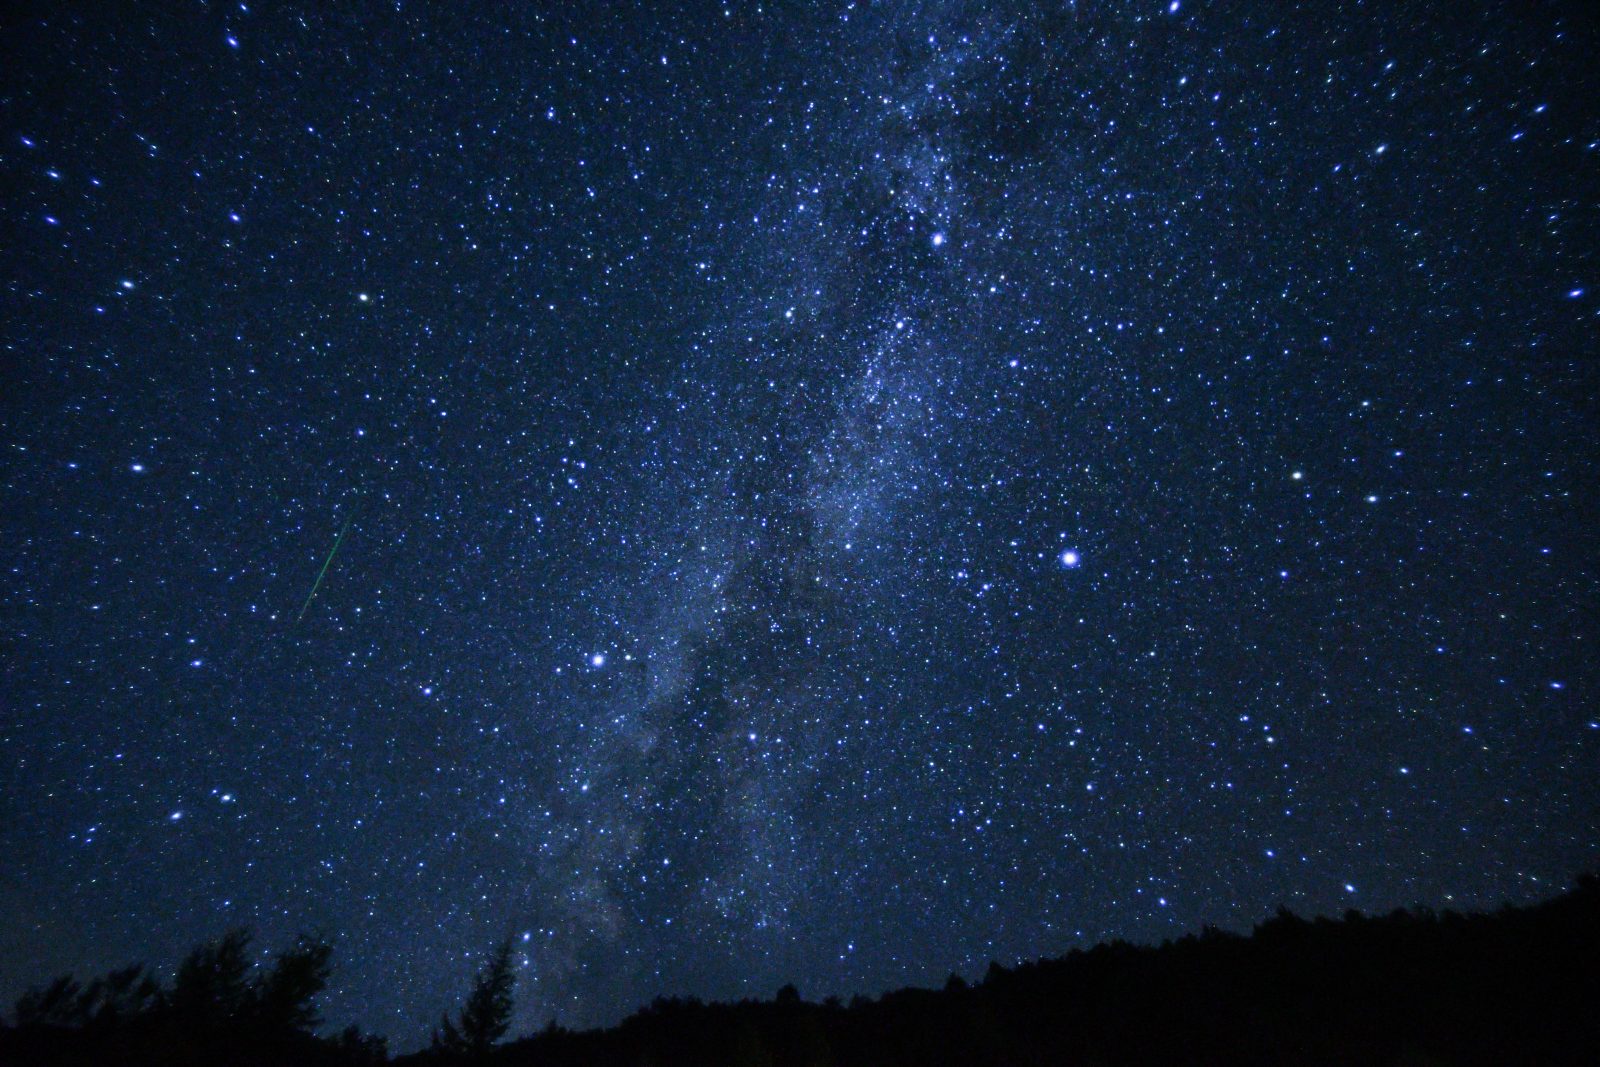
pixel 61 1003
pixel 1513 986
pixel 487 1013
pixel 221 1008
pixel 211 985
pixel 361 1050
pixel 101 1004
pixel 282 997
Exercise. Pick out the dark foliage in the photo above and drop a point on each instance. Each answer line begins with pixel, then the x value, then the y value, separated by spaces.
pixel 221 1009
pixel 212 987
pixel 1409 988
pixel 102 1004
pixel 283 997
pixel 485 1016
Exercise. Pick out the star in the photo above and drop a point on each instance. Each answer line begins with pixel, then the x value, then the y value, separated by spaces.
pixel 697 494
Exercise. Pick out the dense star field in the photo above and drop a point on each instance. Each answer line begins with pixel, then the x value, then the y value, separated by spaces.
pixel 731 494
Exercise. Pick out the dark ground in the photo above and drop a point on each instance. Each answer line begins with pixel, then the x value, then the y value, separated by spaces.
pixel 1518 986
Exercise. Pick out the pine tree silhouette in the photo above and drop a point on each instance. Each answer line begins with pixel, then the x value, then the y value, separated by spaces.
pixel 484 1018
pixel 221 1008
pixel 283 996
pixel 211 987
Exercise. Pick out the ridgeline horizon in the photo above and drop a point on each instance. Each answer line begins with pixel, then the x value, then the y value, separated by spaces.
pixel 1413 986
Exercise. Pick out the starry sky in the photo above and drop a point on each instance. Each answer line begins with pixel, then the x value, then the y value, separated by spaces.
pixel 740 493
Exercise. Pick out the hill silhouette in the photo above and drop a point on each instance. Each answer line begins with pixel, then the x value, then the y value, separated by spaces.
pixel 1518 986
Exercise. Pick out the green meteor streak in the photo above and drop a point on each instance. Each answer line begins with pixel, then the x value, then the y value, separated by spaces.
pixel 337 541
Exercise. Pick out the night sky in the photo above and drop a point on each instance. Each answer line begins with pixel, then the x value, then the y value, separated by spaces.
pixel 732 494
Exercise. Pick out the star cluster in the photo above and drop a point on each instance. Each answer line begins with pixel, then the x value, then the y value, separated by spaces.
pixel 734 494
